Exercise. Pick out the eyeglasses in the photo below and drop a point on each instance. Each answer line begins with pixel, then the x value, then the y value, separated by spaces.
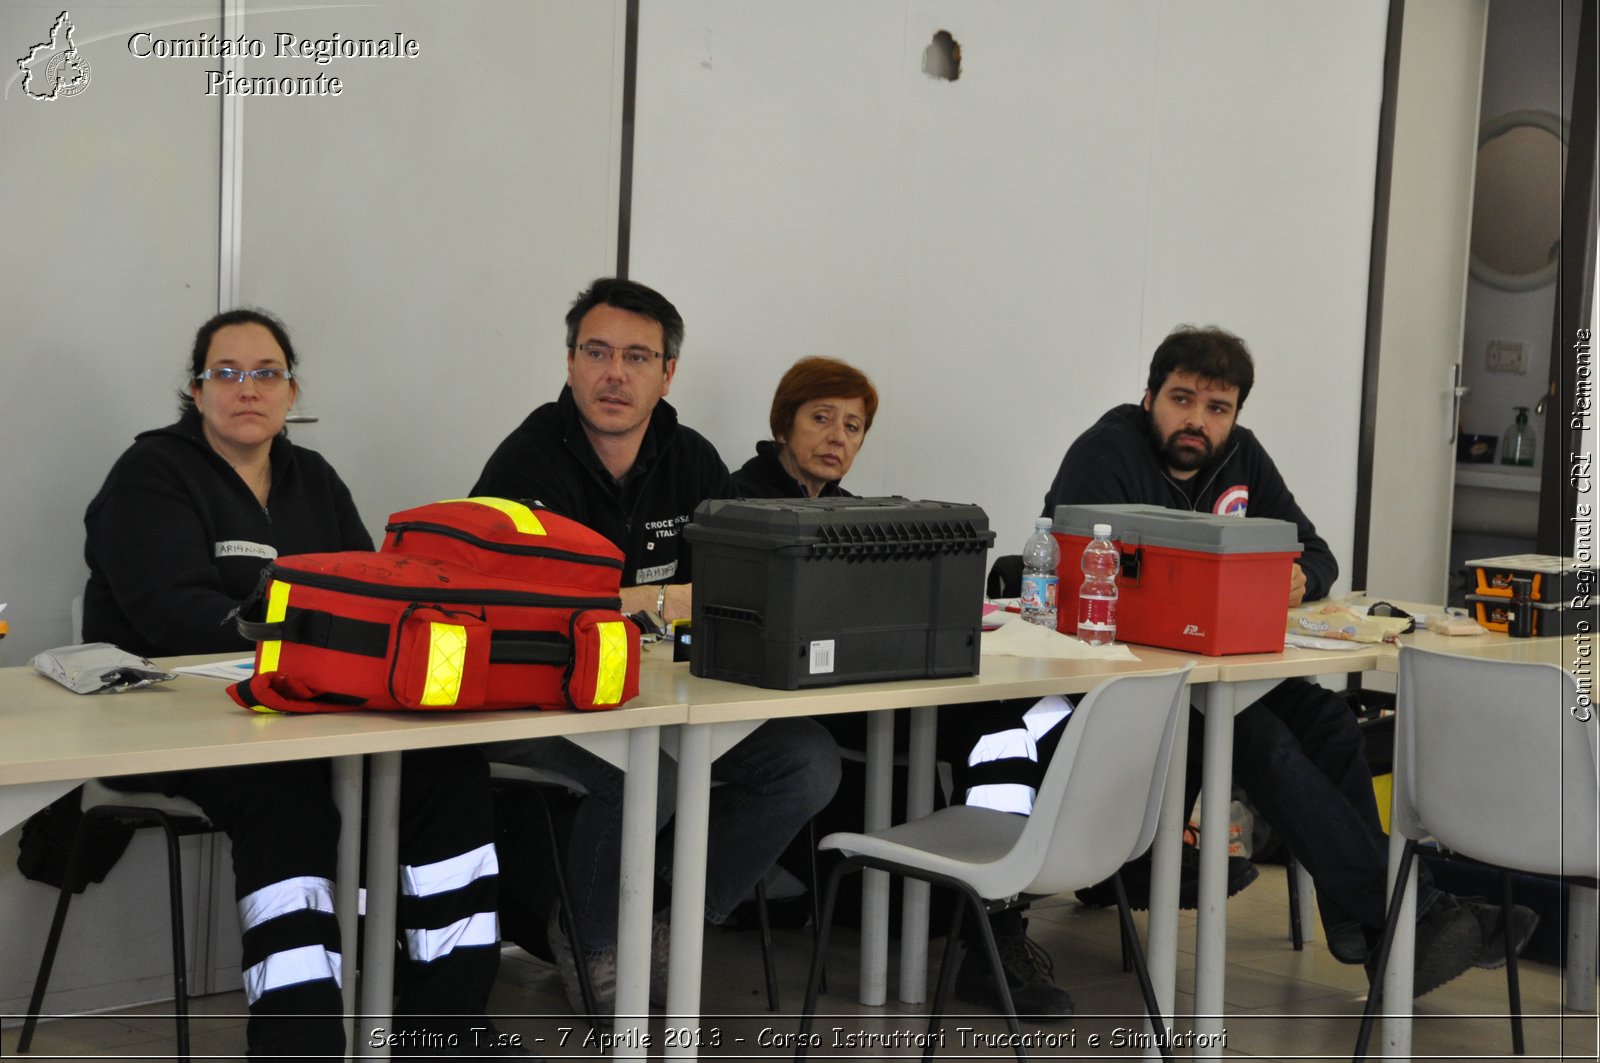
pixel 229 375
pixel 633 358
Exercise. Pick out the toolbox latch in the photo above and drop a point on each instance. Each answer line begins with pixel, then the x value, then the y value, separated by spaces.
pixel 1132 557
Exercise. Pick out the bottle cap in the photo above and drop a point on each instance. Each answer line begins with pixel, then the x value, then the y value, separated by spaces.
pixel 1042 523
pixel 1102 529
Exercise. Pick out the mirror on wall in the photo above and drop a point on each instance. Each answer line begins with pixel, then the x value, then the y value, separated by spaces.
pixel 1516 208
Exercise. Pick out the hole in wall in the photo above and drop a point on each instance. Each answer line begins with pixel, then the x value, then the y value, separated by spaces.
pixel 942 57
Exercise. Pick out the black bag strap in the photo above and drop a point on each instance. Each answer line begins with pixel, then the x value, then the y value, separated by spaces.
pixel 529 647
pixel 325 630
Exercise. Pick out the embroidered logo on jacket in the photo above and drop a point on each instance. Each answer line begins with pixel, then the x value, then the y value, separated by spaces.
pixel 1233 502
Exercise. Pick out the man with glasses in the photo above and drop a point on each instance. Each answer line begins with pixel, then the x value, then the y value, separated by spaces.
pixel 610 453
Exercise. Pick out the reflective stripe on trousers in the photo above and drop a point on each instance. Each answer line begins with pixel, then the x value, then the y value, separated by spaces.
pixel 1017 743
pixel 428 944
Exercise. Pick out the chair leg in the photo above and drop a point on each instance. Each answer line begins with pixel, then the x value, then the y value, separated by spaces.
pixel 1127 949
pixel 1296 934
pixel 1158 1023
pixel 569 917
pixel 769 963
pixel 53 939
pixel 1513 982
pixel 819 952
pixel 981 915
pixel 1369 1014
pixel 815 885
pixel 947 970
pixel 180 959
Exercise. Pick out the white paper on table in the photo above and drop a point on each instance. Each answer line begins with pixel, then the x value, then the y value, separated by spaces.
pixel 1031 640
pixel 1312 642
pixel 232 671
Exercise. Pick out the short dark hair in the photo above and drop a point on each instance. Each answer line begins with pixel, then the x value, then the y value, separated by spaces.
pixel 634 298
pixel 819 378
pixel 208 331
pixel 1214 355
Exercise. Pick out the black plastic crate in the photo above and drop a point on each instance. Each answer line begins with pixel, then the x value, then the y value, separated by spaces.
pixel 814 592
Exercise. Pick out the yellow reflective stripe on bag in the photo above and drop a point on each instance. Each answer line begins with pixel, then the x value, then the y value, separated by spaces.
pixel 447 659
pixel 277 609
pixel 611 672
pixel 521 516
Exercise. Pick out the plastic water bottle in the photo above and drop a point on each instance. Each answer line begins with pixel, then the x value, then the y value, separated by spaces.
pixel 1097 598
pixel 1039 581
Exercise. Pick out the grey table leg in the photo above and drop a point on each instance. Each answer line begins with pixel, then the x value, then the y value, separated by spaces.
pixel 874 989
pixel 914 909
pixel 689 885
pixel 383 878
pixel 1165 862
pixel 347 894
pixel 636 892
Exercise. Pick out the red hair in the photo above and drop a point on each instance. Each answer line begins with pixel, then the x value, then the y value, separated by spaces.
pixel 819 378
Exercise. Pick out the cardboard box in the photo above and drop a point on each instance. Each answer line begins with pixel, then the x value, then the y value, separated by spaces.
pixel 792 593
pixel 1199 582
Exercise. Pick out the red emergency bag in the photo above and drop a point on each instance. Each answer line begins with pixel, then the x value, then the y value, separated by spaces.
pixel 472 604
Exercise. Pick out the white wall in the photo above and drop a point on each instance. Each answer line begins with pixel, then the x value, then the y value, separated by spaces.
pixel 108 221
pixel 424 234
pixel 1003 252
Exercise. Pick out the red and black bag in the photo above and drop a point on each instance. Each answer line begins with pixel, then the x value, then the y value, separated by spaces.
pixel 472 604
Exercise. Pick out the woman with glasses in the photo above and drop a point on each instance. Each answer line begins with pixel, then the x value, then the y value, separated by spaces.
pixel 177 537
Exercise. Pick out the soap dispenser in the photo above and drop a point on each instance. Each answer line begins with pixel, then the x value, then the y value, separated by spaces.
pixel 1517 446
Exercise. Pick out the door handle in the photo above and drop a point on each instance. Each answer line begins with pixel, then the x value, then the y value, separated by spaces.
pixel 1458 391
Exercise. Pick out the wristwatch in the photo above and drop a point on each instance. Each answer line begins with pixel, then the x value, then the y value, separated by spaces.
pixel 661 603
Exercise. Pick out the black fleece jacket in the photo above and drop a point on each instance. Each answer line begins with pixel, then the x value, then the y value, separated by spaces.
pixel 548 459
pixel 764 476
pixel 1116 461
pixel 175 539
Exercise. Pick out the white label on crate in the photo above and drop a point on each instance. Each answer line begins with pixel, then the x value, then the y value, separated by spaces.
pixel 822 656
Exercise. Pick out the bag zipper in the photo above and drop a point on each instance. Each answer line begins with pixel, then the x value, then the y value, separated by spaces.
pixel 399 531
pixel 425 594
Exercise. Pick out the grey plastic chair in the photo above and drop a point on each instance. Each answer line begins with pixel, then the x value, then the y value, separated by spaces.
pixel 1498 762
pixel 1095 810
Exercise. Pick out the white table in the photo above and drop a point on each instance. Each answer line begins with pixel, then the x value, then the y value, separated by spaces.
pixel 54 740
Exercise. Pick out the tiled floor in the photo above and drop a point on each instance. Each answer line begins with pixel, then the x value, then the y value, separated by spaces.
pixel 1282 1004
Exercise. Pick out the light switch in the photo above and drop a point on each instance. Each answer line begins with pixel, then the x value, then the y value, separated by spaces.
pixel 1507 356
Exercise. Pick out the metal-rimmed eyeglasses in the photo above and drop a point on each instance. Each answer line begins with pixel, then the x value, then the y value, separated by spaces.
pixel 263 377
pixel 633 358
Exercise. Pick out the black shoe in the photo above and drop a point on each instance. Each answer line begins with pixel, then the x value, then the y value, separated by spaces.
pixel 1493 953
pixel 1448 941
pixel 1029 976
pixel 1349 942
pixel 1136 880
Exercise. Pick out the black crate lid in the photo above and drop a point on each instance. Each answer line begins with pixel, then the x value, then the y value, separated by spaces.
pixel 841 521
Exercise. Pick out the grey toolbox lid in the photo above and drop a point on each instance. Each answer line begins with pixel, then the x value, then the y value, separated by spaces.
pixel 889 525
pixel 1180 529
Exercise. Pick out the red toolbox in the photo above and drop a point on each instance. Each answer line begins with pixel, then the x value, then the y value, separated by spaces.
pixel 1198 582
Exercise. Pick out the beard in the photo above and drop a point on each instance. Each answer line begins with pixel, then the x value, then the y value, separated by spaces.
pixel 1185 456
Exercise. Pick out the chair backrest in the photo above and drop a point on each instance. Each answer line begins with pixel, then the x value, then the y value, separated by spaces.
pixel 1097 806
pixel 1495 760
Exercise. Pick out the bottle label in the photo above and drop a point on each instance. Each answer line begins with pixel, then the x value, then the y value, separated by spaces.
pixel 1038 593
pixel 1097 612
